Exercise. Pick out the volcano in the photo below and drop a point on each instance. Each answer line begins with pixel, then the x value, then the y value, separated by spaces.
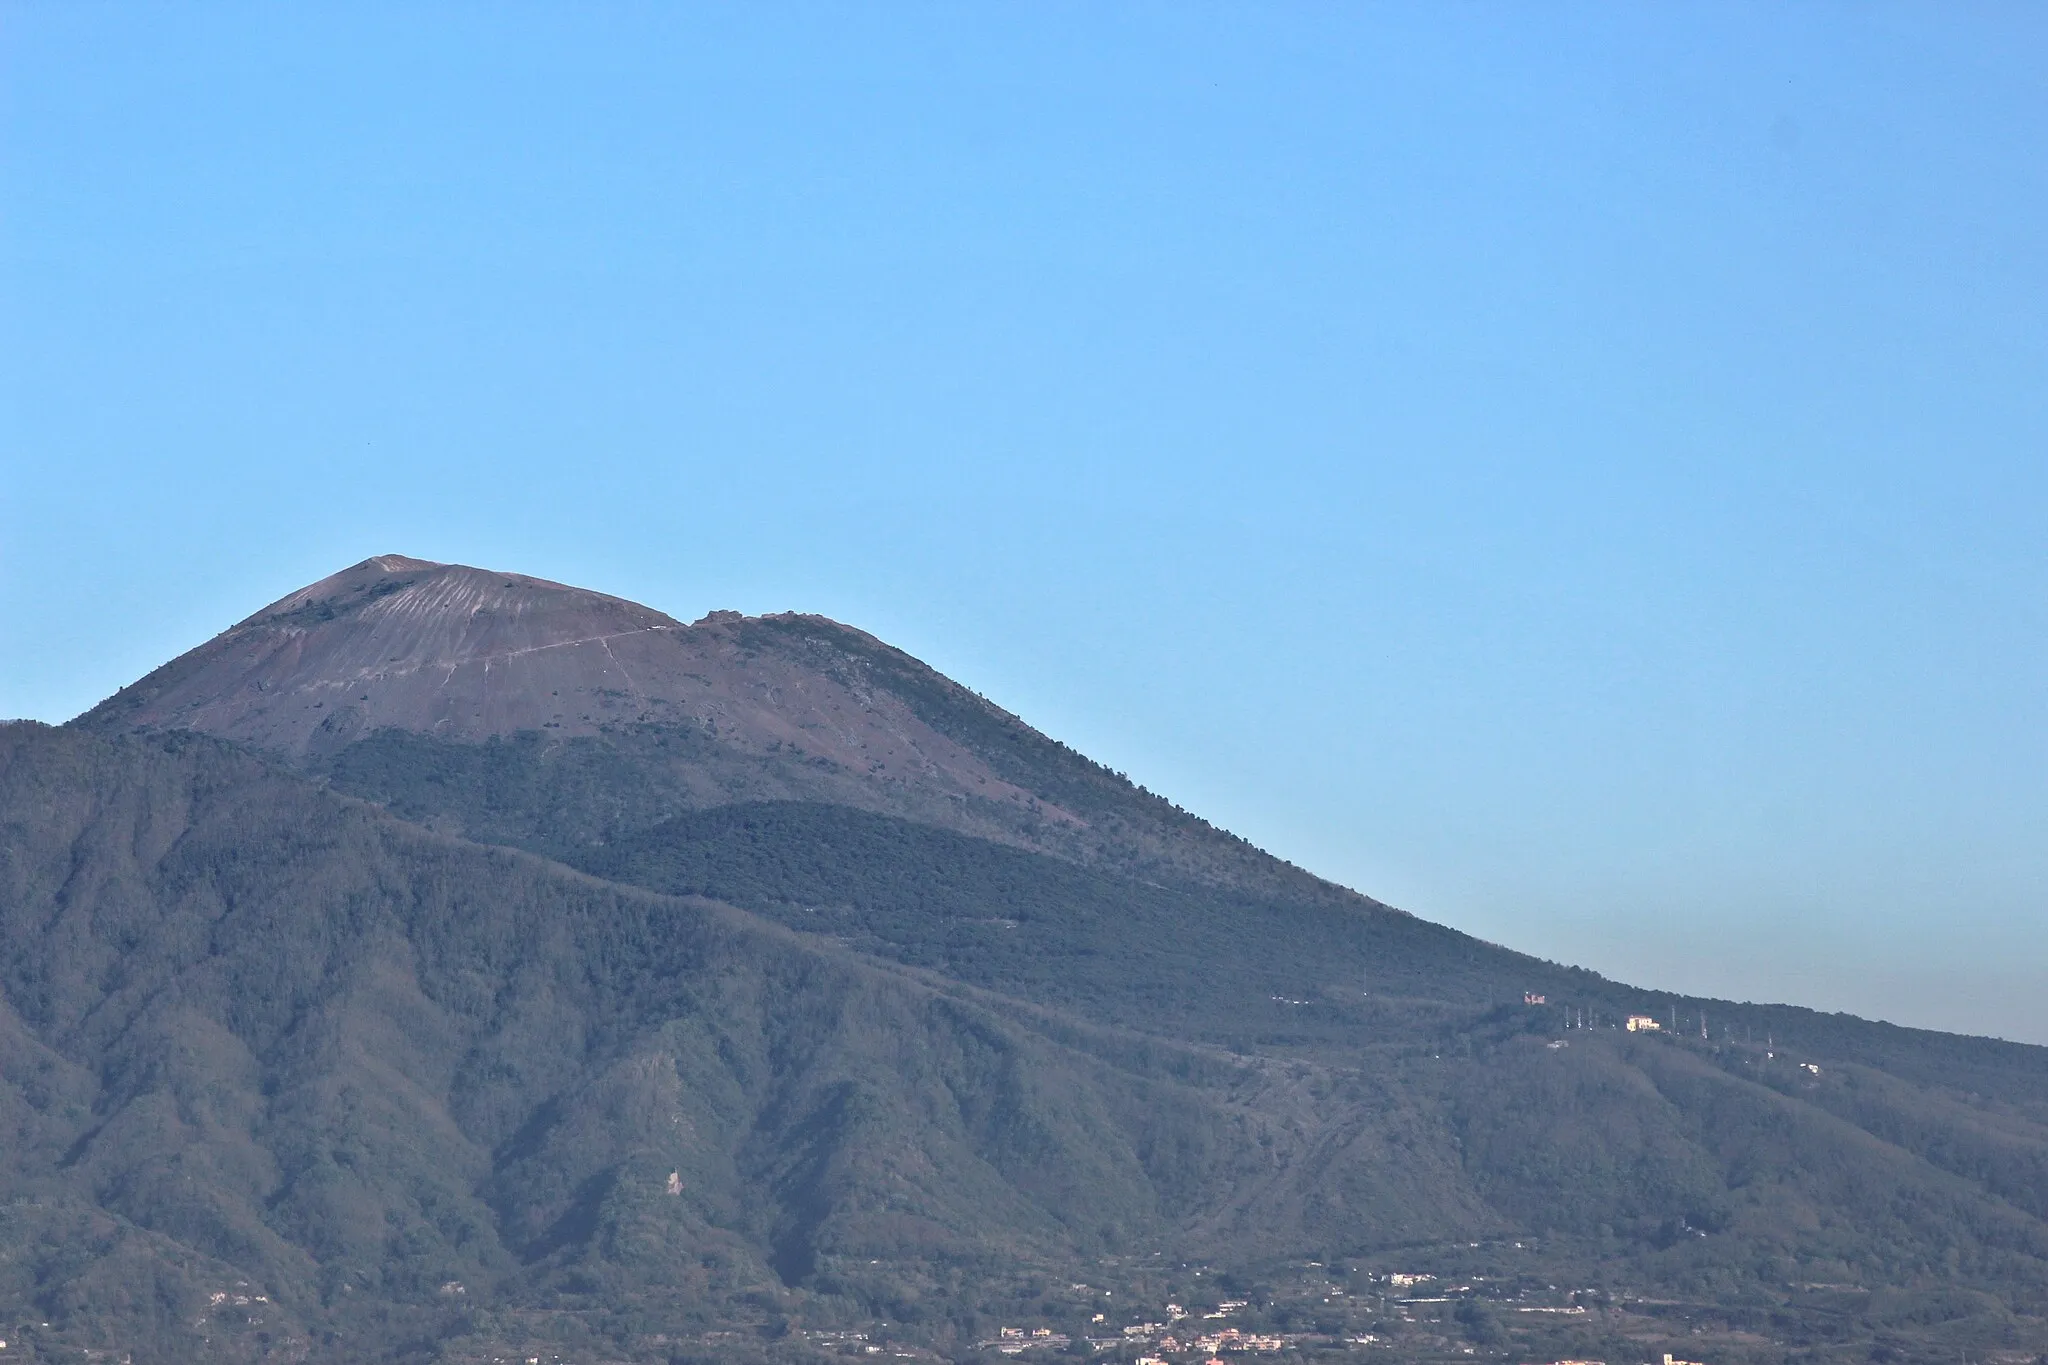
pixel 465 654
pixel 445 964
pixel 397 667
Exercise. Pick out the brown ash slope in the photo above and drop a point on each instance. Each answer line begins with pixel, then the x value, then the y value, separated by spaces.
pixel 463 654
pixel 424 659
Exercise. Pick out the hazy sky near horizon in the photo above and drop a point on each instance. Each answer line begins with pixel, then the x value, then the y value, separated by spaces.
pixel 1577 472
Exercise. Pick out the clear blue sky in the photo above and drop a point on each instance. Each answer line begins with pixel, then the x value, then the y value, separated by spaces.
pixel 1579 472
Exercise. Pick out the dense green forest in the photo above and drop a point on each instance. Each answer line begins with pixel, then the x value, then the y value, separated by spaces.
pixel 747 1079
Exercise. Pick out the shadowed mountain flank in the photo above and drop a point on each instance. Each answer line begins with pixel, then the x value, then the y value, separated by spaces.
pixel 270 1032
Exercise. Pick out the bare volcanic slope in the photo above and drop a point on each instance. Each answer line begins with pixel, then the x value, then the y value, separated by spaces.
pixel 467 654
pixel 399 666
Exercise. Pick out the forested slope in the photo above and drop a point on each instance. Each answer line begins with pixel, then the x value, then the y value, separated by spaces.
pixel 404 1093
pixel 259 1033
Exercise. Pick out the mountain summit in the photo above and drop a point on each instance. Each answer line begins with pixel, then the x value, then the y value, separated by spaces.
pixel 538 692
pixel 459 653
pixel 397 642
